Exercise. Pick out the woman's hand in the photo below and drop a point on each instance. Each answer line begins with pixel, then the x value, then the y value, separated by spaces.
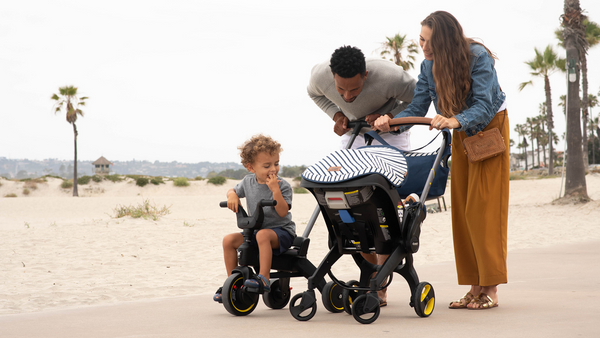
pixel 440 122
pixel 383 124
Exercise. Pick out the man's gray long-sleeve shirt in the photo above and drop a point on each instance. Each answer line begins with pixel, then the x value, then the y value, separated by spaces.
pixel 387 89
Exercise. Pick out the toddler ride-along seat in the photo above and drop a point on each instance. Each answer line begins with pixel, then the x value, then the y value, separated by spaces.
pixel 358 195
pixel 241 300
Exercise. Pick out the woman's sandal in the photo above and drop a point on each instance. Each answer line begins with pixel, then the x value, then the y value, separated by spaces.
pixel 253 283
pixel 462 303
pixel 217 297
pixel 484 301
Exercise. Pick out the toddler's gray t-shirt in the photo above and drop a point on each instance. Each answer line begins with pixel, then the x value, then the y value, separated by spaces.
pixel 254 192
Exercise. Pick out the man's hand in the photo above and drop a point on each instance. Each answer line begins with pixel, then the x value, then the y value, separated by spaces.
pixel 371 118
pixel 341 124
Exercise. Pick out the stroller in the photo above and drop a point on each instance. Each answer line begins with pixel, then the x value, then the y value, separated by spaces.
pixel 360 196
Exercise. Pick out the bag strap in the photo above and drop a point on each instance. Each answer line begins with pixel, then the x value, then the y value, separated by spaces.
pixel 373 135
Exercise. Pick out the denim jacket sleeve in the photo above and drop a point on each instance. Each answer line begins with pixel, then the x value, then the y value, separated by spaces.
pixel 422 97
pixel 485 96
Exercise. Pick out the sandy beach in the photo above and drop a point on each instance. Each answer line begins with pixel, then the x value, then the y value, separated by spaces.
pixel 59 253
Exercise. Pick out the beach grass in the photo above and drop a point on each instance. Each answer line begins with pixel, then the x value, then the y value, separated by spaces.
pixel 145 210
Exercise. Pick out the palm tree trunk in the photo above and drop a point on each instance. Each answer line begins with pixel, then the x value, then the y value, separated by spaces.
pixel 550 123
pixel 75 193
pixel 575 185
pixel 532 148
pixel 584 108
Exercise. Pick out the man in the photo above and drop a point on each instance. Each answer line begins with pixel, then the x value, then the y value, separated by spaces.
pixel 350 88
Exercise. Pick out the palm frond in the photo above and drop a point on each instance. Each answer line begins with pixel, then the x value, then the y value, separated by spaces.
pixel 524 84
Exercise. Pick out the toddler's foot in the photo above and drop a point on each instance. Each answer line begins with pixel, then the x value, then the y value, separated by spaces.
pixel 253 283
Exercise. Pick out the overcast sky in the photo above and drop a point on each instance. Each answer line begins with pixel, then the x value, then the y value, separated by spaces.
pixel 189 81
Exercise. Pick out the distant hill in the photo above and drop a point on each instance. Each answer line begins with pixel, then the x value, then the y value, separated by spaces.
pixel 24 168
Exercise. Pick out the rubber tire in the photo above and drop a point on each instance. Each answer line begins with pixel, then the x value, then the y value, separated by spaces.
pixel 332 297
pixel 277 298
pixel 424 299
pixel 299 316
pixel 235 300
pixel 349 296
pixel 357 310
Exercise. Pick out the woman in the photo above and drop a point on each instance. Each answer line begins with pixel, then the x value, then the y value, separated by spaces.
pixel 458 76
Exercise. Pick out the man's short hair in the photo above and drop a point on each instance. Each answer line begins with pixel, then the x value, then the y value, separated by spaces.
pixel 348 61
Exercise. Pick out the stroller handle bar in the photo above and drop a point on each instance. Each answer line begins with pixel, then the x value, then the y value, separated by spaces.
pixel 401 121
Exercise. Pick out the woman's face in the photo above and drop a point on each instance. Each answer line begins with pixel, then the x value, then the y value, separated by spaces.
pixel 424 41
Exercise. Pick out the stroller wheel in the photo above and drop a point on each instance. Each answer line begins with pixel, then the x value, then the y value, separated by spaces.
pixel 303 306
pixel 332 297
pixel 277 298
pixel 235 300
pixel 424 299
pixel 366 308
pixel 349 296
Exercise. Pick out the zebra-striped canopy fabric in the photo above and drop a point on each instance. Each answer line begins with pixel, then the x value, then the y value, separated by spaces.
pixel 346 164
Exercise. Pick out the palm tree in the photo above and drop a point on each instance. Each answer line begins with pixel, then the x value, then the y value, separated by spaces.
pixel 520 129
pixel 575 45
pixel 531 125
pixel 394 47
pixel 592 37
pixel 543 140
pixel 68 100
pixel 543 65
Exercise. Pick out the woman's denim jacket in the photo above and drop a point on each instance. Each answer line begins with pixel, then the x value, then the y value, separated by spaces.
pixel 482 102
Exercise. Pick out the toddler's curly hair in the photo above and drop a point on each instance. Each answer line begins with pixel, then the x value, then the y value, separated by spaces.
pixel 258 144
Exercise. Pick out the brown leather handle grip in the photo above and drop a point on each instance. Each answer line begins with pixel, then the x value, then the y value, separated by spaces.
pixel 410 120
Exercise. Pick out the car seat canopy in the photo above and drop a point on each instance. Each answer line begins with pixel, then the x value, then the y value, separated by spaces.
pixel 346 164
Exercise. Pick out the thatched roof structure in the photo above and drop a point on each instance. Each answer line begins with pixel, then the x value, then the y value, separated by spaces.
pixel 102 160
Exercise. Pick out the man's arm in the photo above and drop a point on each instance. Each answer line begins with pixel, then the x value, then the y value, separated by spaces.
pixel 404 89
pixel 320 80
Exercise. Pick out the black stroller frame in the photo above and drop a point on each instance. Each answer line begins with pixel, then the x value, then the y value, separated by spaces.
pixel 372 221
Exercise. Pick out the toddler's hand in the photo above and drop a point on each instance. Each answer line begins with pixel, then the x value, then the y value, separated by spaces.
pixel 232 202
pixel 273 182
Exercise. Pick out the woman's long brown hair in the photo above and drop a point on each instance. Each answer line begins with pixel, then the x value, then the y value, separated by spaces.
pixel 451 70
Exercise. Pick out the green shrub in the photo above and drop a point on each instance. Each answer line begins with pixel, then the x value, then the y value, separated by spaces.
pixel 134 177
pixel 97 178
pixel 10 195
pixel 217 180
pixel 83 180
pixel 114 178
pixel 26 191
pixel 157 180
pixel 141 181
pixel 67 184
pixel 199 178
pixel 181 182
